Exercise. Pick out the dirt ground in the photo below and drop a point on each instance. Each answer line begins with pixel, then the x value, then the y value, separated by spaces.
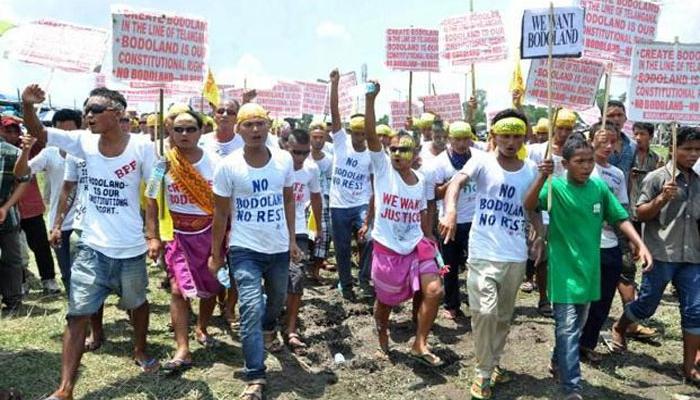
pixel 30 356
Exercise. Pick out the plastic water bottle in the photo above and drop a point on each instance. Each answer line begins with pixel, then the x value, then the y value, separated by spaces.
pixel 339 358
pixel 371 87
pixel 157 175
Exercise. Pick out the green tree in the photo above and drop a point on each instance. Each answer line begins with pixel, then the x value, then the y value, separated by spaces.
pixel 383 120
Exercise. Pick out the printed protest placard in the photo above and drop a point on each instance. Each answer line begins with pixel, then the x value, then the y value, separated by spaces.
pixel 412 49
pixel 567 33
pixel 448 106
pixel 314 97
pixel 158 47
pixel 56 44
pixel 474 37
pixel 574 82
pixel 613 27
pixel 347 84
pixel 100 80
pixel 399 113
pixel 665 83
pixel 283 100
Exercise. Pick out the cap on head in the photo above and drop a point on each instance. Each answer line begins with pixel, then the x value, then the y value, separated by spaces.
pixel 565 119
pixel 251 111
pixel 8 120
pixel 460 130
pixel 425 121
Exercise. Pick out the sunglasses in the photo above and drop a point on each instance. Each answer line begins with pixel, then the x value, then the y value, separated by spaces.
pixel 301 152
pixel 188 129
pixel 227 111
pixel 400 149
pixel 123 120
pixel 97 109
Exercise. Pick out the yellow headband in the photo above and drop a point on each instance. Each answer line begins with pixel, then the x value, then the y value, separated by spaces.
pixel 425 121
pixel 385 130
pixel 152 120
pixel 509 126
pixel 565 119
pixel 184 116
pixel 250 111
pixel 176 109
pixel 357 124
pixel 542 126
pixel 460 130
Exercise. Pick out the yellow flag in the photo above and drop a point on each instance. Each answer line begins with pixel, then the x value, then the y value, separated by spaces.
pixel 210 90
pixel 516 83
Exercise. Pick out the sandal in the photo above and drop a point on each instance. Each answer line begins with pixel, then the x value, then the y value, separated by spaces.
pixel 254 390
pixel 92 344
pixel 639 331
pixel 148 366
pixel 545 309
pixel 500 376
pixel 452 315
pixel 176 365
pixel 590 355
pixel 692 380
pixel 527 287
pixel 208 342
pixel 618 343
pixel 295 343
pixel 481 389
pixel 272 345
pixel 382 354
pixel 428 359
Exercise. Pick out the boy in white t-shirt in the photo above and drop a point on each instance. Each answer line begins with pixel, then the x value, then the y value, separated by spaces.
pixel 446 165
pixel 350 189
pixel 403 262
pixel 307 189
pixel 497 241
pixel 253 189
pixel 111 254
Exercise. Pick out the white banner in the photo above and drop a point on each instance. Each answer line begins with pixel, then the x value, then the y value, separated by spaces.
pixel 567 39
pixel 158 47
pixel 448 106
pixel 574 82
pixel 412 49
pixel 55 44
pixel 665 83
pixel 473 38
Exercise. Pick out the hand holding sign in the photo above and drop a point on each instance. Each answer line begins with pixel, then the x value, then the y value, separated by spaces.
pixel 33 94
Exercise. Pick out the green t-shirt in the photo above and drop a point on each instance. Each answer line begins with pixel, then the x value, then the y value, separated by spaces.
pixel 575 224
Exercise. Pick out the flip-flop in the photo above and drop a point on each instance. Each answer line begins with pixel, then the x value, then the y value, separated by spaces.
pixel 176 365
pixel 428 359
pixel 254 390
pixel 148 366
pixel 93 345
pixel 295 343
pixel 270 342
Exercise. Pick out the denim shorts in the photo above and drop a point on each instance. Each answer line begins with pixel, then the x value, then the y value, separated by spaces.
pixel 94 276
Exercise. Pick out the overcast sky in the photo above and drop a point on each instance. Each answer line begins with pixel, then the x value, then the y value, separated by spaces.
pixel 268 40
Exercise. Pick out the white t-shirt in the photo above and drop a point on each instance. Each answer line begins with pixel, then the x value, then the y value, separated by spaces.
pixel 696 167
pixel 325 169
pixel 113 224
pixel 398 206
pixel 426 154
pixel 350 186
pixel 258 221
pixel 178 201
pixel 50 160
pixel 483 146
pixel 615 179
pixel 328 148
pixel 306 181
pixel 499 225
pixel 76 171
pixel 443 171
pixel 222 149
